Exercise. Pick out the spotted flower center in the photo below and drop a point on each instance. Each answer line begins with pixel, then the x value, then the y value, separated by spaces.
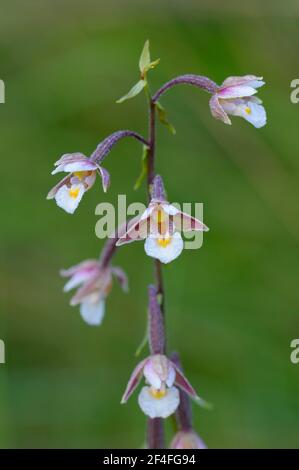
pixel 163 242
pixel 82 174
pixel 74 193
pixel 158 393
pixel 248 110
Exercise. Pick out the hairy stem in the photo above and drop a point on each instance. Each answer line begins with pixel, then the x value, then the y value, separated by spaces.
pixel 106 145
pixel 155 434
pixel 195 80
pixel 155 426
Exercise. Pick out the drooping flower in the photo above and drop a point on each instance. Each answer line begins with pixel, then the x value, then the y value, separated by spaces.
pixel 187 440
pixel 235 97
pixel 94 284
pixel 160 398
pixel 82 175
pixel 160 225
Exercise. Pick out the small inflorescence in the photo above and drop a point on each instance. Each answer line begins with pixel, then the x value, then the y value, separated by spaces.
pixel 166 390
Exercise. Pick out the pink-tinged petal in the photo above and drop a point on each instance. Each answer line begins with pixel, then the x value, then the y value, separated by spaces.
pixel 134 381
pixel 75 281
pixel 80 165
pixel 186 223
pixel 70 157
pixel 149 210
pixel 236 92
pixel 105 178
pixel 183 383
pixel 217 110
pixel 239 81
pixel 137 231
pixel 100 283
pixel 87 265
pixel 89 179
pixel 187 440
pixel 121 277
pixel 64 182
pixel 169 209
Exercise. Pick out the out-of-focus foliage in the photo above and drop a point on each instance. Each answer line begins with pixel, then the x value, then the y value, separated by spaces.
pixel 232 306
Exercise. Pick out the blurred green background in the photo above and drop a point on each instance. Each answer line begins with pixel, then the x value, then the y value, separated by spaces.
pixel 232 306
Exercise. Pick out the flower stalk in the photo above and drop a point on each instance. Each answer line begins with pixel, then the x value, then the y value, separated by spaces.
pixel 166 390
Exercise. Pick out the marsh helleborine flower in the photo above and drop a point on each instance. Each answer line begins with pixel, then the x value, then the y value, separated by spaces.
pixel 160 225
pixel 235 97
pixel 188 439
pixel 82 175
pixel 95 283
pixel 160 398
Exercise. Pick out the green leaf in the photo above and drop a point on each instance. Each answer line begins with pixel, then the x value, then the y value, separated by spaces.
pixel 163 118
pixel 145 63
pixel 142 344
pixel 153 64
pixel 145 58
pixel 203 404
pixel 135 90
pixel 143 168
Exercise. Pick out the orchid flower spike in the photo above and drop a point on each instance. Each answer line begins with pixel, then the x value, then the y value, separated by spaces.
pixel 82 175
pixel 235 97
pixel 160 398
pixel 95 283
pixel 160 225
pixel 187 440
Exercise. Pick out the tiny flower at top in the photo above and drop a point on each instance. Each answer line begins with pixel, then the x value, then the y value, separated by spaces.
pixel 160 225
pixel 188 439
pixel 160 398
pixel 95 283
pixel 82 175
pixel 235 97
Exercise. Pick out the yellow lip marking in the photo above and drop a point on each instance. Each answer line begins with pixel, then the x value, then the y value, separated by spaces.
pixel 163 242
pixel 74 193
pixel 247 110
pixel 158 393
pixel 82 174
pixel 160 216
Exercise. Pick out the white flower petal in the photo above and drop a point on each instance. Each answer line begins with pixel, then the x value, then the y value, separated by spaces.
pixel 83 165
pixel 76 280
pixel 250 109
pixel 151 375
pixel 257 115
pixel 165 252
pixel 92 312
pixel 159 407
pixel 69 198
pixel 171 376
pixel 236 92
pixel 256 83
